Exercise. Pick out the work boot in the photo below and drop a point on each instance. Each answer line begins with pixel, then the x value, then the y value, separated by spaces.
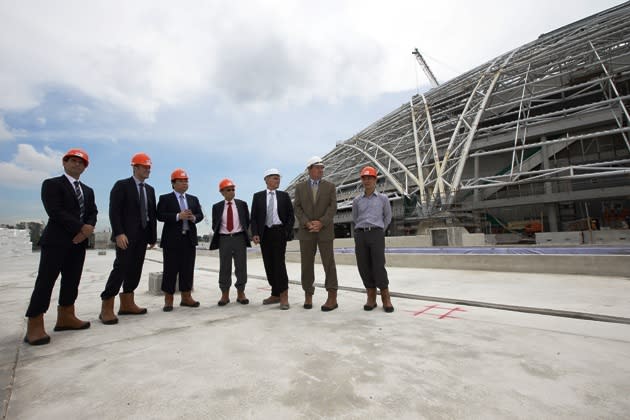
pixel 168 302
pixel 187 300
pixel 66 320
pixel 128 305
pixel 284 300
pixel 107 315
pixel 35 332
pixel 240 297
pixel 371 299
pixel 331 302
pixel 387 302
pixel 308 301
pixel 225 298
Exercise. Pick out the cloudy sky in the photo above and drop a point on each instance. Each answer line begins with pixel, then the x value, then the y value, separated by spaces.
pixel 225 88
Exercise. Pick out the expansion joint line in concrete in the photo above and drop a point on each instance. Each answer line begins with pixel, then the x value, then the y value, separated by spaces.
pixel 9 388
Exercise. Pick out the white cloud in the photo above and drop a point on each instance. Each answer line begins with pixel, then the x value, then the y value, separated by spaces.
pixel 5 134
pixel 30 167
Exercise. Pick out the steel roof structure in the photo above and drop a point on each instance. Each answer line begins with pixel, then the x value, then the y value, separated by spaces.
pixel 545 123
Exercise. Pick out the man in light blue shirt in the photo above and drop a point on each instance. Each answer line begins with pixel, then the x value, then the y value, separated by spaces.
pixel 372 213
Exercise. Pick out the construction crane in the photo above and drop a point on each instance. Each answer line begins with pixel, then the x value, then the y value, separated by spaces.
pixel 425 68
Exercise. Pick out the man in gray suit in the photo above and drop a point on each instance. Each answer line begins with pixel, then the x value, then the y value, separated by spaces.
pixel 315 206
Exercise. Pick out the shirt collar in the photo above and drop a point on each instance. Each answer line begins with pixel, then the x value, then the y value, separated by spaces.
pixel 72 180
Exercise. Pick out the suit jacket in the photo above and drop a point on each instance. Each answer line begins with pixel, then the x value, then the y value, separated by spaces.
pixel 167 209
pixel 217 214
pixel 64 214
pixel 259 213
pixel 323 209
pixel 124 210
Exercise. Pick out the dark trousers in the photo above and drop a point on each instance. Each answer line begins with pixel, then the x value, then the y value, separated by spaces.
pixel 273 248
pixel 66 260
pixel 178 261
pixel 232 247
pixel 308 248
pixel 127 268
pixel 369 249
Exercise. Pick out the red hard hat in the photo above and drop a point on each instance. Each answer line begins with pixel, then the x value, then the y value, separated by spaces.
pixel 225 183
pixel 80 153
pixel 179 174
pixel 141 159
pixel 368 171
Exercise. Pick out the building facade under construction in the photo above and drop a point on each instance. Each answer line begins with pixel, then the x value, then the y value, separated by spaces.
pixel 537 139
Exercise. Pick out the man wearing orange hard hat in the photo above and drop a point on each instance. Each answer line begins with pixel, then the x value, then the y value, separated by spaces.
pixel 230 221
pixel 372 214
pixel 132 215
pixel 180 213
pixel 72 214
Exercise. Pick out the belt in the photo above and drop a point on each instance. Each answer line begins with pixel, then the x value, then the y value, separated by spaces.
pixel 231 234
pixel 367 229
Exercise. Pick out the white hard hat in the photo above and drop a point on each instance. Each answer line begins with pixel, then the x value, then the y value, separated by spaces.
pixel 272 171
pixel 315 160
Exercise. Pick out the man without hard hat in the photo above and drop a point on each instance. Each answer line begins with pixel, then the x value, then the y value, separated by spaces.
pixel 72 214
pixel 180 213
pixel 272 227
pixel 230 221
pixel 133 218
pixel 315 207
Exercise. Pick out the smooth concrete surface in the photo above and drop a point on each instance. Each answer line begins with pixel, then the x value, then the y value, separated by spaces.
pixel 426 360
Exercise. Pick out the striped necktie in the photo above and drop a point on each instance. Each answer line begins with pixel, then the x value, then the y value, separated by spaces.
pixel 77 191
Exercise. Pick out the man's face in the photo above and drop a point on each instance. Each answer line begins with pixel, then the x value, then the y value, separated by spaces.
pixel 74 166
pixel 273 182
pixel 180 185
pixel 369 182
pixel 141 172
pixel 228 193
pixel 316 172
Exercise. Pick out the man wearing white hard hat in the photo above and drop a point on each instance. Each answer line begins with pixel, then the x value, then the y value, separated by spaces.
pixel 272 221
pixel 315 207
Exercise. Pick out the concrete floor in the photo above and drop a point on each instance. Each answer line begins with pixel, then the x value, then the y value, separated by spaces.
pixel 426 360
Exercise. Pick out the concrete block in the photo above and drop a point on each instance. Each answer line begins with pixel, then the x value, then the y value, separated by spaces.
pixel 559 238
pixel 607 237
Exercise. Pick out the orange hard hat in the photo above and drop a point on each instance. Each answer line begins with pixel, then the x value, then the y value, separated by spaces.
pixel 80 153
pixel 225 183
pixel 141 159
pixel 179 174
pixel 368 171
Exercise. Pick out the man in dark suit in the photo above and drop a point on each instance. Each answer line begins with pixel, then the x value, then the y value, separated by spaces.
pixel 72 215
pixel 132 215
pixel 230 237
pixel 180 213
pixel 272 227
pixel 315 208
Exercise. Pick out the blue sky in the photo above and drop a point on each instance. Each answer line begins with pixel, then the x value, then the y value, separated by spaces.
pixel 224 89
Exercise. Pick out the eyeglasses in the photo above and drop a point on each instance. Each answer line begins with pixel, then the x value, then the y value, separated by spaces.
pixel 228 189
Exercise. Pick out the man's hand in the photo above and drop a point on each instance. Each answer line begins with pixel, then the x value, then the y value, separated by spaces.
pixel 87 230
pixel 79 237
pixel 256 239
pixel 314 226
pixel 121 241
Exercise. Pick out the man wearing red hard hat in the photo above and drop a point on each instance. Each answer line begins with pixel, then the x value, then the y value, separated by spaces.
pixel 132 215
pixel 72 214
pixel 230 221
pixel 180 213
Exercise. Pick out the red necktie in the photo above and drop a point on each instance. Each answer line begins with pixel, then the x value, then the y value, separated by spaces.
pixel 230 217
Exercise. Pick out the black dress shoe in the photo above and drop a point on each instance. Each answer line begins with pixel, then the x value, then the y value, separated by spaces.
pixel 308 306
pixel 369 307
pixel 38 342
pixel 167 308
pixel 191 305
pixel 388 309
pixel 223 302
pixel 243 301
pixel 329 308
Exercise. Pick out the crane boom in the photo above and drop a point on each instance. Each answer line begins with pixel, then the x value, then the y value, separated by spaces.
pixel 426 68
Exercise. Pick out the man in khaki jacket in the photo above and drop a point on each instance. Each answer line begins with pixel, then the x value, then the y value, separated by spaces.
pixel 315 206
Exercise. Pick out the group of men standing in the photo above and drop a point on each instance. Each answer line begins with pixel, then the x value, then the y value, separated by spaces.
pixel 133 214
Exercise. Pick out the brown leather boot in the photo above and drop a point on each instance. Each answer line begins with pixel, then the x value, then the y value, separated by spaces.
pixel 240 297
pixel 308 301
pixel 187 300
pixel 387 301
pixel 107 315
pixel 371 299
pixel 66 320
pixel 225 298
pixel 128 305
pixel 168 302
pixel 284 300
pixel 35 332
pixel 331 302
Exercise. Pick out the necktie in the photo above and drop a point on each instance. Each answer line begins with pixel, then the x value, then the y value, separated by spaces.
pixel 182 206
pixel 315 187
pixel 143 206
pixel 270 206
pixel 230 217
pixel 80 198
